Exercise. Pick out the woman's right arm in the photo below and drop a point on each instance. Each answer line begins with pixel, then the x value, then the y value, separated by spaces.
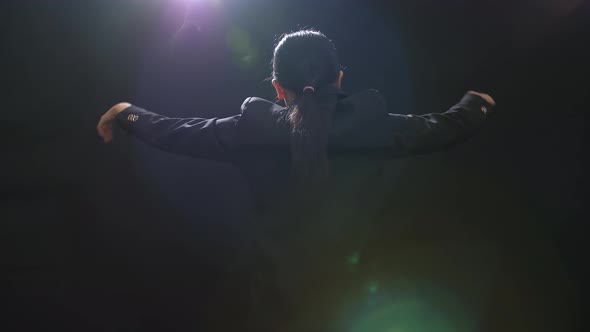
pixel 431 132
pixel 198 137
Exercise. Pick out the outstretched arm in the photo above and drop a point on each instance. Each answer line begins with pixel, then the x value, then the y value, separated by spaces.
pixel 199 137
pixel 430 132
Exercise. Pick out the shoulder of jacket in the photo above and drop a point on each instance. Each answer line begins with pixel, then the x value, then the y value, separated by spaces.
pixel 372 95
pixel 258 103
pixel 370 102
pixel 261 123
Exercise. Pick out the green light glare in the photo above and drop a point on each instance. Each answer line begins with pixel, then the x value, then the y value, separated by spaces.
pixel 408 315
pixel 409 308
pixel 240 44
pixel 373 287
pixel 354 258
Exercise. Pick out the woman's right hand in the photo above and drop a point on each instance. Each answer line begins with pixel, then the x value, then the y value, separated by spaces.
pixel 105 124
pixel 485 96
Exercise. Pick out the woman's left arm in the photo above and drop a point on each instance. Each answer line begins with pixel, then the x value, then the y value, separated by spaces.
pixel 434 131
pixel 200 137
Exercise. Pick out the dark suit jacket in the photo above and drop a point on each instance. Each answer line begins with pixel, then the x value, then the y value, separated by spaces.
pixel 258 141
pixel 361 122
pixel 299 252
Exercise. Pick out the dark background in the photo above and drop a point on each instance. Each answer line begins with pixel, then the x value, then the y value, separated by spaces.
pixel 115 237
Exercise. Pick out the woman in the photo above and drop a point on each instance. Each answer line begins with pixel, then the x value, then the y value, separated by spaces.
pixel 277 146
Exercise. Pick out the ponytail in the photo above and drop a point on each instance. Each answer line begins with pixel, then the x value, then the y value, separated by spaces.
pixel 305 63
pixel 310 118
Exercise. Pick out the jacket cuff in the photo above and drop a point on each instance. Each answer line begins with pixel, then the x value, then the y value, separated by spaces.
pixel 129 116
pixel 475 102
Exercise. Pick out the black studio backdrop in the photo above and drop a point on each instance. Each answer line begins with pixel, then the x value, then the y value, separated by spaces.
pixel 117 237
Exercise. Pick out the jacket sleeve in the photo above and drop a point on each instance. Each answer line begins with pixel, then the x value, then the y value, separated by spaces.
pixel 199 137
pixel 430 132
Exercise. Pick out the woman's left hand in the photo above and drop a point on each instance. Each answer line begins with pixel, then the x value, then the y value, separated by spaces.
pixel 105 124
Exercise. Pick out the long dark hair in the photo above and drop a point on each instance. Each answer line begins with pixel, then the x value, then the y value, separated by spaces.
pixel 303 59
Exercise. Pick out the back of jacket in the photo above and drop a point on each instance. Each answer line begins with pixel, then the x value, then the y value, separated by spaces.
pixel 302 240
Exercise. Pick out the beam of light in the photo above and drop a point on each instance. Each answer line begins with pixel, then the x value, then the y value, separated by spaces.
pixel 190 2
pixel 198 12
pixel 199 18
